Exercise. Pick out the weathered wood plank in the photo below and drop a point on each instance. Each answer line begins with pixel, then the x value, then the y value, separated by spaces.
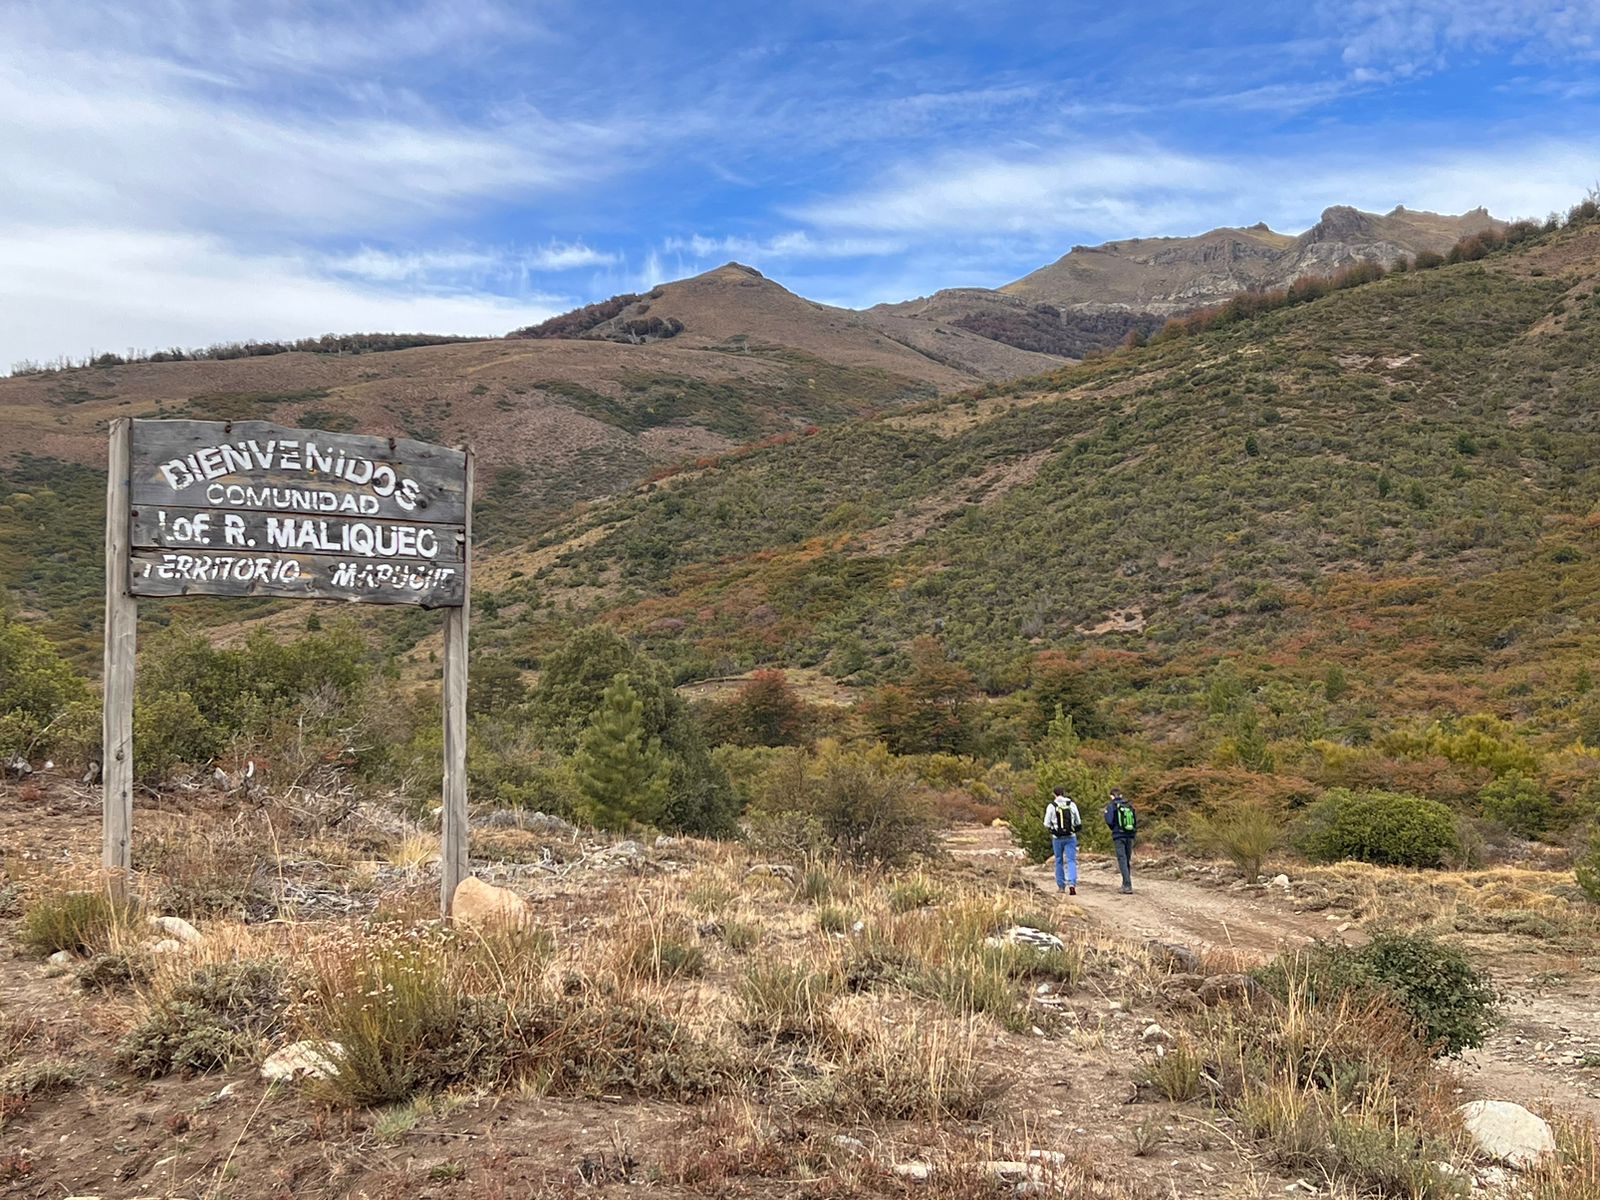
pixel 296 576
pixel 121 633
pixel 258 465
pixel 166 527
pixel 453 855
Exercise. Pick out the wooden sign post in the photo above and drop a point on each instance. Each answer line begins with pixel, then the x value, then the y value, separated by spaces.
pixel 247 508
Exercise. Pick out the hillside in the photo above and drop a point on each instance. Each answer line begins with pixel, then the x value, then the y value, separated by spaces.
pixel 1391 481
pixel 1169 275
pixel 555 422
pixel 1093 296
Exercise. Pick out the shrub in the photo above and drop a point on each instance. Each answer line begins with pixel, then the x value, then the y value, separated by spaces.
pixel 219 1016
pixel 1587 870
pixel 1384 828
pixel 1176 1075
pixel 403 1024
pixel 36 685
pixel 860 802
pixel 1519 803
pixel 787 1001
pixel 78 922
pixel 1451 1002
pixel 1242 831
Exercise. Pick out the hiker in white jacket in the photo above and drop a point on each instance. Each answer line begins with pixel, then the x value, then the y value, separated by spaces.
pixel 1062 819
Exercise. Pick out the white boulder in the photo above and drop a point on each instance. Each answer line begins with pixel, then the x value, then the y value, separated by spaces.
pixel 1026 935
pixel 175 928
pixel 302 1060
pixel 1507 1132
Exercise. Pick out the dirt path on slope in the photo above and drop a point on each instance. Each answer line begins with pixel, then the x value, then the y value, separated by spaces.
pixel 1254 925
pixel 1550 1001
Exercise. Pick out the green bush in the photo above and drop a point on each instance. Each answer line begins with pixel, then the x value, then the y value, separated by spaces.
pixel 1520 804
pixel 1452 1003
pixel 1242 831
pixel 77 922
pixel 219 1016
pixel 36 685
pixel 1587 870
pixel 860 801
pixel 1386 828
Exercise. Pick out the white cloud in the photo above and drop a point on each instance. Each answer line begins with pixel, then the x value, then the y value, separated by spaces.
pixel 1384 38
pixel 1069 188
pixel 66 291
pixel 569 256
pixel 94 138
pixel 1086 190
pixel 792 245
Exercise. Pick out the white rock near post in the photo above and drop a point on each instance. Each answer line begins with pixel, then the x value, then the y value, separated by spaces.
pixel 481 906
pixel 1507 1132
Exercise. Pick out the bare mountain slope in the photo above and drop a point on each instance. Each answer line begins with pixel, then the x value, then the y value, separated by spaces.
pixel 1173 275
pixel 735 307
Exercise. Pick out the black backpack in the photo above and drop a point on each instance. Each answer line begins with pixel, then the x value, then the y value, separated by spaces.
pixel 1067 826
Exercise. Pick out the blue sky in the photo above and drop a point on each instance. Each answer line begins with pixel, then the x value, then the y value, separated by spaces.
pixel 178 172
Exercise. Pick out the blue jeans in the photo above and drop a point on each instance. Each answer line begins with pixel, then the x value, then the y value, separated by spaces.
pixel 1124 849
pixel 1066 849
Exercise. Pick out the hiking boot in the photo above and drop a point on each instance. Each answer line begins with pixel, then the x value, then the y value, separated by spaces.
pixel 1072 891
pixel 1063 889
pixel 1127 889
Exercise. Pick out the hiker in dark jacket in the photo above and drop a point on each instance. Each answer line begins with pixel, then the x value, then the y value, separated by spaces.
pixel 1123 823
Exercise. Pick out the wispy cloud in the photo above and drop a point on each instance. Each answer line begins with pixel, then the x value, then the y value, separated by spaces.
pixel 795 244
pixel 1386 38
pixel 1111 192
pixel 114 289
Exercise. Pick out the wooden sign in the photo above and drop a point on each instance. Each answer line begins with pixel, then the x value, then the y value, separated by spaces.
pixel 248 508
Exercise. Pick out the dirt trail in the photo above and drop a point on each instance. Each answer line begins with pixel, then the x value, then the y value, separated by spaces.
pixel 1550 1005
pixel 1170 910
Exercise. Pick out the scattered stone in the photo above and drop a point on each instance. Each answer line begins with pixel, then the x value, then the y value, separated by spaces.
pixel 848 1144
pixel 1053 1158
pixel 1154 1033
pixel 480 906
pixel 1026 935
pixel 1342 928
pixel 1230 989
pixel 1172 957
pixel 666 842
pixel 61 960
pixel 772 871
pixel 228 1090
pixel 1011 1171
pixel 914 1172
pixel 1281 881
pixel 166 946
pixel 176 928
pixel 1507 1132
pixel 302 1060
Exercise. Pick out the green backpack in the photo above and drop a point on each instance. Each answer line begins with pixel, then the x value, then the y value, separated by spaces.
pixel 1125 817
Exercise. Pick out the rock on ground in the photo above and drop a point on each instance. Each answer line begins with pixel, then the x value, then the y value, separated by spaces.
pixel 302 1060
pixel 1230 989
pixel 1507 1132
pixel 481 906
pixel 175 928
pixel 1026 935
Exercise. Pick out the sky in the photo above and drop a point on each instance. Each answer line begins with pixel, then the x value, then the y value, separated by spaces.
pixel 182 172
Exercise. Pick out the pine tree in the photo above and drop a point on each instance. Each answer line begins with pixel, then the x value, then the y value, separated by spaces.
pixel 622 775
